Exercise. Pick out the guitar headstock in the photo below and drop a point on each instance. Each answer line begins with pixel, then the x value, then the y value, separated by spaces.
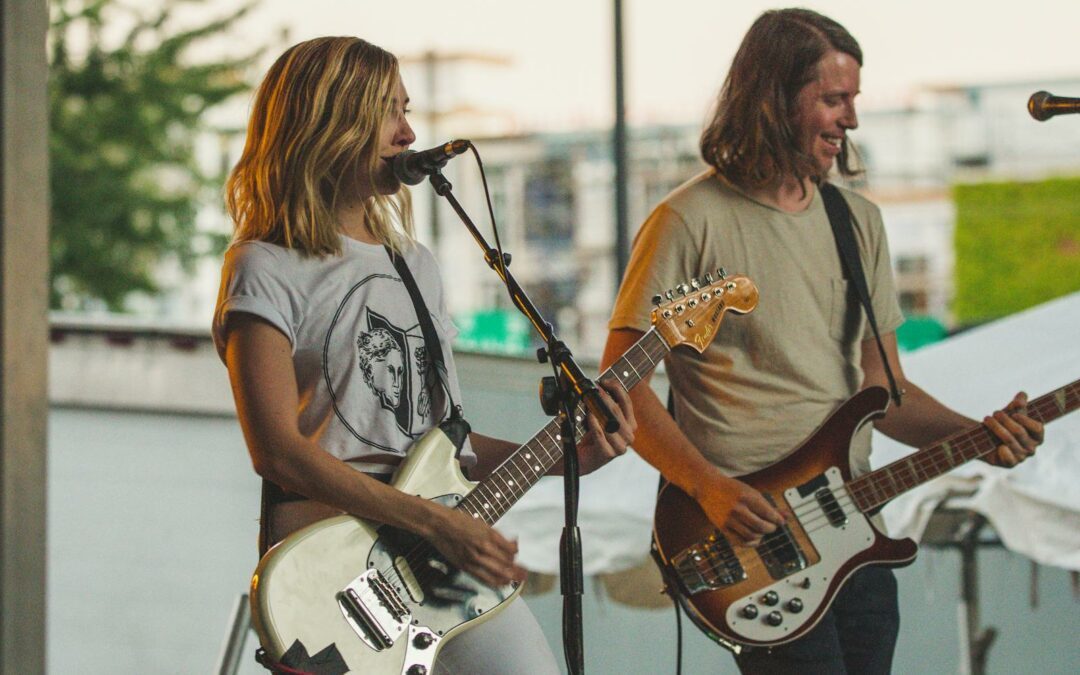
pixel 689 314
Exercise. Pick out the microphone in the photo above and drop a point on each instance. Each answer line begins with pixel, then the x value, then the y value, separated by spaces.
pixel 1043 105
pixel 412 167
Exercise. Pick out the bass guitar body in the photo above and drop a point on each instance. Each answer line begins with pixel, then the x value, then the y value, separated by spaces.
pixel 779 590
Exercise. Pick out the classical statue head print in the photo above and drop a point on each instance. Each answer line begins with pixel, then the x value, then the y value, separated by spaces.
pixel 382 363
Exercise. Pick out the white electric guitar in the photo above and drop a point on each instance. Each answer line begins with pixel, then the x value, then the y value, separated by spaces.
pixel 374 599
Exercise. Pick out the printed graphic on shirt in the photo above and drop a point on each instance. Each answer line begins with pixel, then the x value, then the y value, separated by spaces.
pixel 383 393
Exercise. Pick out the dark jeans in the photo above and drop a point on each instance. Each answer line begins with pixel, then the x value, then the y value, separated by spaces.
pixel 857 635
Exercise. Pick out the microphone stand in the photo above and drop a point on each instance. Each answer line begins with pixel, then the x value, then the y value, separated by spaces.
pixel 570 386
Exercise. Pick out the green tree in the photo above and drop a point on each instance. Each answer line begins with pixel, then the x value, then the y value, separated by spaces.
pixel 124 119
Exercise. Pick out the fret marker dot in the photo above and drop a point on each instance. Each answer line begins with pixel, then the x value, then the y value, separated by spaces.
pixel 558 437
pixel 510 482
pixel 536 468
pixel 528 456
pixel 625 374
pixel 486 505
pixel 578 418
pixel 498 495
pixel 476 515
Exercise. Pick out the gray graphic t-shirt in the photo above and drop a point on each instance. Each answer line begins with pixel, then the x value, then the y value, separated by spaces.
pixel 367 387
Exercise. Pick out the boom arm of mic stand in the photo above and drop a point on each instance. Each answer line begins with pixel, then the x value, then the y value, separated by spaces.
pixel 561 358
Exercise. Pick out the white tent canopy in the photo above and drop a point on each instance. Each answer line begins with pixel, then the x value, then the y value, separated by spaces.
pixel 1035 508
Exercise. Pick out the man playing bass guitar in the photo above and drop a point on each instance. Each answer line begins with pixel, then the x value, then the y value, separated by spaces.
pixel 780 124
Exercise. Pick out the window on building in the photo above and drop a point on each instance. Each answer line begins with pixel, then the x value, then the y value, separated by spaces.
pixel 913 303
pixel 549 203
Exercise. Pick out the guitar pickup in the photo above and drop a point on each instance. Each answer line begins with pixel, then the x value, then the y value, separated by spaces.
pixel 833 511
pixel 708 566
pixel 780 552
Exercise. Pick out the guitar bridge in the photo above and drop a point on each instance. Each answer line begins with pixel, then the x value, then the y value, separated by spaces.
pixel 707 566
pixel 374 610
pixel 780 552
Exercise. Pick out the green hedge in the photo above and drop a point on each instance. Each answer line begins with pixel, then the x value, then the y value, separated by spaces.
pixel 1017 245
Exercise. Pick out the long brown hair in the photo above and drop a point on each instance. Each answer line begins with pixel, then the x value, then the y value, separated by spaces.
pixel 752 138
pixel 314 121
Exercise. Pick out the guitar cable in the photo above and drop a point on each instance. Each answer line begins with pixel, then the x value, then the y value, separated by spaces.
pixel 678 635
pixel 669 588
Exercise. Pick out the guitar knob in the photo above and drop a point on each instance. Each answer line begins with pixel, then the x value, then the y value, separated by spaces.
pixel 750 611
pixel 423 640
pixel 774 618
pixel 770 598
pixel 794 605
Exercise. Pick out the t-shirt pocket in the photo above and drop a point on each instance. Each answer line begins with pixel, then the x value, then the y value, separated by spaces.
pixel 845 317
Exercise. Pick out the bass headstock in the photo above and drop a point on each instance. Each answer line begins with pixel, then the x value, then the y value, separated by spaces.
pixel 690 314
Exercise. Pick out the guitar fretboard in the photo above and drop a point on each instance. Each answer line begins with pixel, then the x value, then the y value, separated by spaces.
pixel 878 487
pixel 494 496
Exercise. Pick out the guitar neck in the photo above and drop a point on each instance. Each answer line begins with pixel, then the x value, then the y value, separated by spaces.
pixel 494 495
pixel 878 487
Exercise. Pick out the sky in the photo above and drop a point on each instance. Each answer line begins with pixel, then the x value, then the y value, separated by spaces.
pixel 559 58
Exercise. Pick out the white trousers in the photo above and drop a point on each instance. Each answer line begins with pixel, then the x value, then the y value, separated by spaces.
pixel 511 643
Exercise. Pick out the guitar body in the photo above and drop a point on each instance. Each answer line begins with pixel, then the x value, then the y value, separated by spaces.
pixel 404 599
pixel 779 590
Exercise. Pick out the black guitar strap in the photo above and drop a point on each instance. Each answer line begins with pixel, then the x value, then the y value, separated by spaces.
pixel 431 338
pixel 840 218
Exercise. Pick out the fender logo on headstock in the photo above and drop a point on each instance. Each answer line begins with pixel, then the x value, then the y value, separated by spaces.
pixel 703 338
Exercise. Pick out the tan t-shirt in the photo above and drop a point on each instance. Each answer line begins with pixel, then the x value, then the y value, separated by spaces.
pixel 770 377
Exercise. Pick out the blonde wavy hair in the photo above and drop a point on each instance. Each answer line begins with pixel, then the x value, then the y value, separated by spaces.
pixel 315 120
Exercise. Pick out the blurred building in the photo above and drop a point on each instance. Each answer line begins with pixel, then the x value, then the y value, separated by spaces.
pixel 552 195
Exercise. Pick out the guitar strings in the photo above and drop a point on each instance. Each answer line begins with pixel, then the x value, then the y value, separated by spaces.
pixel 653 348
pixel 813 513
pixel 931 464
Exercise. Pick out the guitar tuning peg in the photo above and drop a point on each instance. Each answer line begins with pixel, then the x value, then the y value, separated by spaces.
pixel 657 299
pixel 722 273
pixel 669 294
pixel 708 278
pixel 695 284
pixel 683 289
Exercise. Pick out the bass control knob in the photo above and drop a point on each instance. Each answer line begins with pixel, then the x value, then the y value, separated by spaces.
pixel 770 598
pixel 794 605
pixel 774 618
pixel 750 611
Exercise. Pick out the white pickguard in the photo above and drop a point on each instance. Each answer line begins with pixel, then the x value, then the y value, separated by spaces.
pixel 836 545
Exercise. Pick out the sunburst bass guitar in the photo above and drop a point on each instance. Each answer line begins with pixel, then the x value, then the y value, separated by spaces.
pixel 377 600
pixel 777 591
